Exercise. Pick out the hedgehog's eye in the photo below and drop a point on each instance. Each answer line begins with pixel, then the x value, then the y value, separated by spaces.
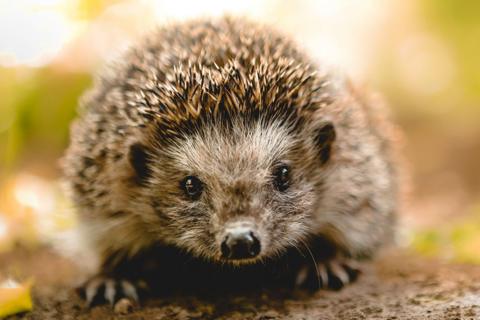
pixel 281 176
pixel 192 186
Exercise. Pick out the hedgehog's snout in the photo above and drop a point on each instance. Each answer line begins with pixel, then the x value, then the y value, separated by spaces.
pixel 239 243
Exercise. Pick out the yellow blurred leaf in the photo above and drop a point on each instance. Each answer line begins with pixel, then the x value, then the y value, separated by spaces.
pixel 15 299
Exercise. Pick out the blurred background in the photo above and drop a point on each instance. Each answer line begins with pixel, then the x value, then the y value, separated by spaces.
pixel 422 55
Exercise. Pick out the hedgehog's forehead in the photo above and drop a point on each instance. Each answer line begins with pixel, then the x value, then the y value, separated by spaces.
pixel 240 150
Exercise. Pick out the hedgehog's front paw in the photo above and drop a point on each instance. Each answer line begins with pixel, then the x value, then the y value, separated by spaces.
pixel 120 293
pixel 331 274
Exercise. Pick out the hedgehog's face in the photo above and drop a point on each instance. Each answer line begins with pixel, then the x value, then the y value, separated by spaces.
pixel 237 196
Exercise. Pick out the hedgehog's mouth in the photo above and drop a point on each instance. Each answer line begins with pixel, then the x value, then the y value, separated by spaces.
pixel 241 262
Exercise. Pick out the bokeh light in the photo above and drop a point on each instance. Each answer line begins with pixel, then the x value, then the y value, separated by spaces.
pixel 33 32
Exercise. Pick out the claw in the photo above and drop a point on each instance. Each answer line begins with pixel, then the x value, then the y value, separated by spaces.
pixel 130 291
pixel 91 290
pixel 323 274
pixel 339 271
pixel 110 291
pixel 302 276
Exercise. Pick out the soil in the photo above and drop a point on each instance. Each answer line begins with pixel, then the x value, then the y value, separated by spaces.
pixel 397 285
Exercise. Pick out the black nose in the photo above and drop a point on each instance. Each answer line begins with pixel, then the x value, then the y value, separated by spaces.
pixel 240 245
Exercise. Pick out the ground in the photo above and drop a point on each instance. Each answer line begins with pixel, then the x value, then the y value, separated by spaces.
pixel 397 285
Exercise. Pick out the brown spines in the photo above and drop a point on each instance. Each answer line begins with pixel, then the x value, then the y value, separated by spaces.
pixel 199 95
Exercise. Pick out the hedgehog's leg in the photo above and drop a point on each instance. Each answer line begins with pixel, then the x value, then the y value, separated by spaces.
pixel 115 281
pixel 334 273
pixel 325 266
pixel 101 289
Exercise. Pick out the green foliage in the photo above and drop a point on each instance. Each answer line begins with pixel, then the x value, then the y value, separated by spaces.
pixel 458 23
pixel 459 241
pixel 37 108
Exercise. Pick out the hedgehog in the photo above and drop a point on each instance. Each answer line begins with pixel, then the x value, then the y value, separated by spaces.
pixel 219 143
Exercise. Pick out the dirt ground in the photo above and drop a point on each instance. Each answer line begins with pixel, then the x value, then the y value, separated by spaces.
pixel 397 285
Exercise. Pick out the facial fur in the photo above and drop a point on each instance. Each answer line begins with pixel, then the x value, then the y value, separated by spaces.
pixel 237 171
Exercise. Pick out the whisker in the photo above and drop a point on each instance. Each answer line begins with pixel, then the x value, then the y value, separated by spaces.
pixel 296 247
pixel 314 263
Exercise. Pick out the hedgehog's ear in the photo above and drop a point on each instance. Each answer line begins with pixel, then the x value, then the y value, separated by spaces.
pixel 324 138
pixel 140 161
